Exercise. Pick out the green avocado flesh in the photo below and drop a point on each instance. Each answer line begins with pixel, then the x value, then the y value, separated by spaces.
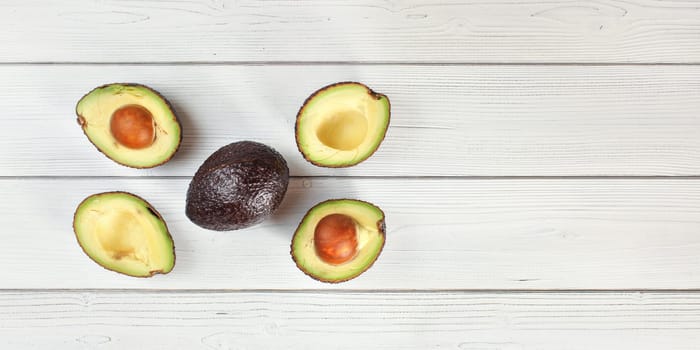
pixel 342 124
pixel 370 236
pixel 98 109
pixel 123 233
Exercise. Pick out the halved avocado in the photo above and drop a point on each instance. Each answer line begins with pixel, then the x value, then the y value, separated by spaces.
pixel 131 124
pixel 339 239
pixel 122 232
pixel 342 124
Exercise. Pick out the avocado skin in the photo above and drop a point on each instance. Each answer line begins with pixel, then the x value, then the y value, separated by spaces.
pixel 238 186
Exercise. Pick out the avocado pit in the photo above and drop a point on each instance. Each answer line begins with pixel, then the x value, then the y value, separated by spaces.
pixel 133 126
pixel 335 239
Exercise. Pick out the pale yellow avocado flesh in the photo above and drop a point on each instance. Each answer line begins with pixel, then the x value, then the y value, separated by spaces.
pixel 342 124
pixel 123 233
pixel 369 221
pixel 97 107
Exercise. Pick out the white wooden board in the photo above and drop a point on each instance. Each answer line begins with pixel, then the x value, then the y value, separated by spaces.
pixel 505 230
pixel 356 31
pixel 441 234
pixel 447 120
pixel 372 320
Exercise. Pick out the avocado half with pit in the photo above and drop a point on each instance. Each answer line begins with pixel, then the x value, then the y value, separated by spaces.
pixel 339 239
pixel 123 233
pixel 342 124
pixel 131 124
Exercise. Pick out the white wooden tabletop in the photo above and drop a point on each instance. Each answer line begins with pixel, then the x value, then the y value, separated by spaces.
pixel 540 176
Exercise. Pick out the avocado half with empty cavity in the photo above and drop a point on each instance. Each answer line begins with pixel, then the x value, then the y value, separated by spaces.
pixel 131 124
pixel 123 233
pixel 342 124
pixel 339 239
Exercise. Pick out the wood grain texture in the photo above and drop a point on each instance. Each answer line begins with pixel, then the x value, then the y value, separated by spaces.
pixel 358 31
pixel 376 320
pixel 441 234
pixel 446 120
pixel 479 89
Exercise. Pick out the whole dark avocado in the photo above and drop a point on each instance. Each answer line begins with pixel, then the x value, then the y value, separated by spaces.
pixel 238 186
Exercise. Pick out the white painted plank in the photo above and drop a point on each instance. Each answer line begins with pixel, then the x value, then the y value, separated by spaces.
pixel 365 31
pixel 373 320
pixel 447 120
pixel 441 234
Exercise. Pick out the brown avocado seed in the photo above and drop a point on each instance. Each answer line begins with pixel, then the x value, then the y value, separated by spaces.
pixel 133 127
pixel 335 239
